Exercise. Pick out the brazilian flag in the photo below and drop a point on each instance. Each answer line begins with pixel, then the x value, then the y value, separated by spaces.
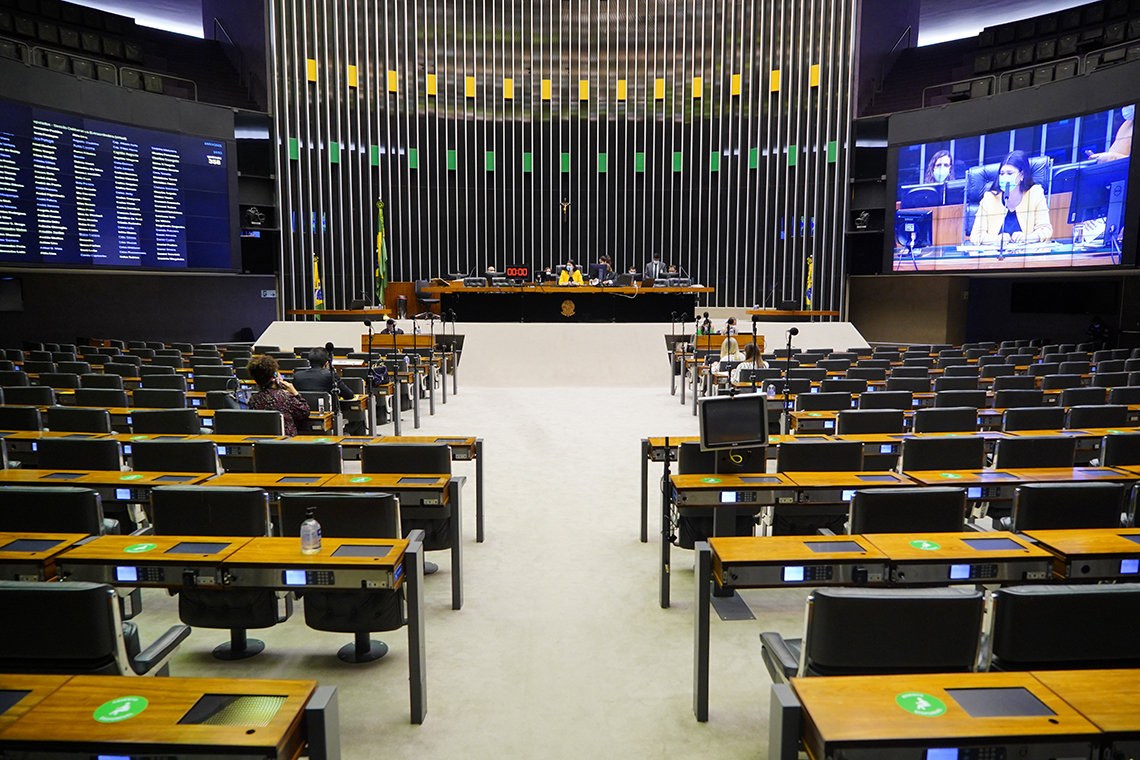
pixel 381 256
pixel 318 291
pixel 808 288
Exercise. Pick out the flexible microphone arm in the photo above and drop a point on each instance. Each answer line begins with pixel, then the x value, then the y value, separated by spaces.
pixel 792 331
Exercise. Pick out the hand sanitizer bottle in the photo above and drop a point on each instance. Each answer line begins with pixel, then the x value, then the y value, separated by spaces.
pixel 771 391
pixel 310 534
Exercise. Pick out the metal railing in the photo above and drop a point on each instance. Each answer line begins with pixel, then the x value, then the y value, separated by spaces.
pixel 991 78
pixel 890 60
pixel 237 50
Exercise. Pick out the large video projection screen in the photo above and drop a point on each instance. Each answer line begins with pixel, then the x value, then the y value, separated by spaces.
pixel 81 192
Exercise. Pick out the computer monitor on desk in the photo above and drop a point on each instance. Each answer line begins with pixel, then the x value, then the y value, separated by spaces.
pixel 736 427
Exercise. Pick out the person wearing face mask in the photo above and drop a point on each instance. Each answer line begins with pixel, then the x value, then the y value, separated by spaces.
pixel 571 275
pixel 1014 210
pixel 940 168
pixel 1122 145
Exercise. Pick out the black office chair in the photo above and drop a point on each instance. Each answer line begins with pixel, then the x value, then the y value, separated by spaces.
pixel 155 369
pixel 912 384
pixel 1098 416
pixel 925 362
pixel 78 419
pixel 158 398
pixel 105 397
pixel 75 368
pixel 295 457
pixel 1018 398
pixel 814 374
pixel 216 371
pixel 365 515
pixel 938 453
pixel 855 421
pixel 992 371
pixel 1015 382
pixel 1110 365
pixel 907 510
pixel 53 509
pixel 20 418
pixel 1047 627
pixel 884 364
pixel 862 631
pixel 123 369
pixel 59 380
pixel 1120 450
pixel 843 385
pixel 174 456
pixel 99 381
pixel 1124 394
pixel 173 362
pixel 796 385
pixel 79 454
pixel 424 299
pixel 822 402
pixel 1033 418
pixel 946 362
pixel 1060 382
pixel 166 382
pixel 220 511
pixel 1067 506
pixel 948 419
pixel 76 629
pixel 197 361
pixel 968 370
pixel 1046 369
pixel 975 399
pixel 37 368
pixel 1037 451
pixel 819 456
pixel 887 400
pixel 834 365
pixel 413 458
pixel 1082 397
pixel 209 383
pixel 165 422
pixel 943 384
pixel 919 372
pixel 1075 368
pixel 29 395
pixel 248 422
pixel 867 374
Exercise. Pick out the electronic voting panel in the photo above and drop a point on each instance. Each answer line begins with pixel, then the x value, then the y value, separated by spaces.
pixel 150 561
pixel 781 561
pixel 941 558
pixel 1099 554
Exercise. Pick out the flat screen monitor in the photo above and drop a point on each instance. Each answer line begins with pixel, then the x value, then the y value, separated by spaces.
pixel 1050 195
pixel 734 421
pixel 80 192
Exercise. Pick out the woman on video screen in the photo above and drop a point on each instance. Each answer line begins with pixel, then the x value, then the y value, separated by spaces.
pixel 1014 209
pixel 940 168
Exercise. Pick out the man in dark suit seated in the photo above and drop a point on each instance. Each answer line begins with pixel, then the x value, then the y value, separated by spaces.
pixel 320 378
pixel 391 329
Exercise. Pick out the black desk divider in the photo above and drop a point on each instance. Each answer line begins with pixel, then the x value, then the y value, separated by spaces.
pixel 194 547
pixel 350 550
pixel 834 546
pixel 993 544
pixel 1016 702
pixel 29 545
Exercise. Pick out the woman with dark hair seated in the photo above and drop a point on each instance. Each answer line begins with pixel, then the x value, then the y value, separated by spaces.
pixel 276 393
pixel 1014 210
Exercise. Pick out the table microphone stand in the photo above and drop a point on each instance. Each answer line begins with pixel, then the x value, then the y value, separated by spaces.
pixel 792 331
pixel 371 384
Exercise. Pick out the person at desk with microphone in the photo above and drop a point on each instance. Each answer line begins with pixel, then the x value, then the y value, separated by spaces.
pixel 1014 210
pixel 570 275
pixel 391 329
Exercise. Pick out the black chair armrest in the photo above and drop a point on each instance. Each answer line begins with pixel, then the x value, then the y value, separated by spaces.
pixel 160 650
pixel 110 526
pixel 147 531
pixel 1003 523
pixel 825 531
pixel 782 663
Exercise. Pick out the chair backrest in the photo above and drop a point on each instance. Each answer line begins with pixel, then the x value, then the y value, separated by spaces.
pixel 209 511
pixel 1110 365
pixel 758 375
pixel 428 458
pixel 998 370
pixel 692 460
pixel 1065 627
pixel 1067 506
pixel 1124 394
pixel 155 369
pixel 874 363
pixel 975 399
pixel 1060 382
pixel 1098 416
pixel 947 419
pixel 797 385
pixel 822 402
pixel 167 382
pixel 120 368
pixel 1044 369
pixel 912 384
pixel 214 371
pixel 174 456
pixel 35 368
pixel 1037 451
pixel 1082 396
pixel 884 631
pixel 59 379
pixel 867 373
pixel 843 385
pixel 886 400
pixel 938 453
pixel 1110 379
pixel 79 454
pixel 1018 397
pixel 944 383
pixel 854 421
pixel 1015 382
pixel 1120 450
pixel 104 397
pixel 204 361
pixel 819 456
pixel 67 628
pixel 1075 368
pixel 248 422
pixel 20 418
pixel 52 509
pixel 165 421
pixel 78 419
pixel 1020 359
pixel 29 395
pixel 158 398
pixel 290 456
pixel 183 347
pixel 945 362
pixel 1033 418
pixel 834 365
pixel 342 515
pixel 174 362
pixel 907 510
pixel 965 370
pixel 101 381
pixel 910 372
pixel 815 374
pixel 918 362
pixel 76 368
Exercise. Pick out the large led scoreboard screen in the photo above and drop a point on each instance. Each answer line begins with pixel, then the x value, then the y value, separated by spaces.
pixel 80 192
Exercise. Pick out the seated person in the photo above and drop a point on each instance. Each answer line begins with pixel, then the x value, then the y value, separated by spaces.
pixel 752 360
pixel 570 275
pixel 730 326
pixel 547 275
pixel 391 329
pixel 1014 210
pixel 276 393
pixel 605 271
pixel 706 327
pixel 940 168
pixel 1122 144
pixel 729 352
pixel 655 268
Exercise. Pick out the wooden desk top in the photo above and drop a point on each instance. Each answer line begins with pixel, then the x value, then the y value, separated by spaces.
pixel 853 709
pixel 389 482
pixel 151 549
pixel 132 437
pixel 674 440
pixel 1075 543
pixel 743 482
pixel 269 480
pixel 953 478
pixel 38 686
pixel 362 313
pixel 456 288
pixel 761 549
pixel 1077 474
pixel 287 551
pixel 942 547
pixel 64 719
pixel 137 478
pixel 783 313
pixel 65 541
pixel 1108 698
pixel 46 477
pixel 248 439
pixel 35 435
pixel 862 479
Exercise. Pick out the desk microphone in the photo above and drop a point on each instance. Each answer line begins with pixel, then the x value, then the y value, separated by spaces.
pixel 793 331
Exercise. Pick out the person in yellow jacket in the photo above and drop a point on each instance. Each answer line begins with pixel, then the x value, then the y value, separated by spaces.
pixel 1014 210
pixel 570 275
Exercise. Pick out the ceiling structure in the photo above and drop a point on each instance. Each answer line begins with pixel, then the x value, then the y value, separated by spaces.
pixel 944 20
pixel 181 16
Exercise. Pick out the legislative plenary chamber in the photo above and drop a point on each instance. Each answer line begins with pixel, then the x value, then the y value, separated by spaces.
pixel 569 378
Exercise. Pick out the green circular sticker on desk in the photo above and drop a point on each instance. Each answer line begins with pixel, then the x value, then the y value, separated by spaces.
pixel 926 546
pixel 924 705
pixel 711 480
pixel 360 480
pixel 140 548
pixel 131 477
pixel 119 709
pixel 814 414
pixel 950 475
pixel 139 437
pixel 321 440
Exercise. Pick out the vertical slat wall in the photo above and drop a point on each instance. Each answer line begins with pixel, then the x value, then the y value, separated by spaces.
pixel 526 132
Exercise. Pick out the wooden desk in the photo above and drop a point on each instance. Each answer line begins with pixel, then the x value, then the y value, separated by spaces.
pixel 942 558
pixel 346 564
pixel 864 717
pixel 66 722
pixel 783 561
pixel 980 485
pixel 546 303
pixel 1110 699
pixel 150 561
pixel 36 688
pixel 1076 474
pixel 348 315
pixel 31 556
pixel 273 482
pixel 1098 554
